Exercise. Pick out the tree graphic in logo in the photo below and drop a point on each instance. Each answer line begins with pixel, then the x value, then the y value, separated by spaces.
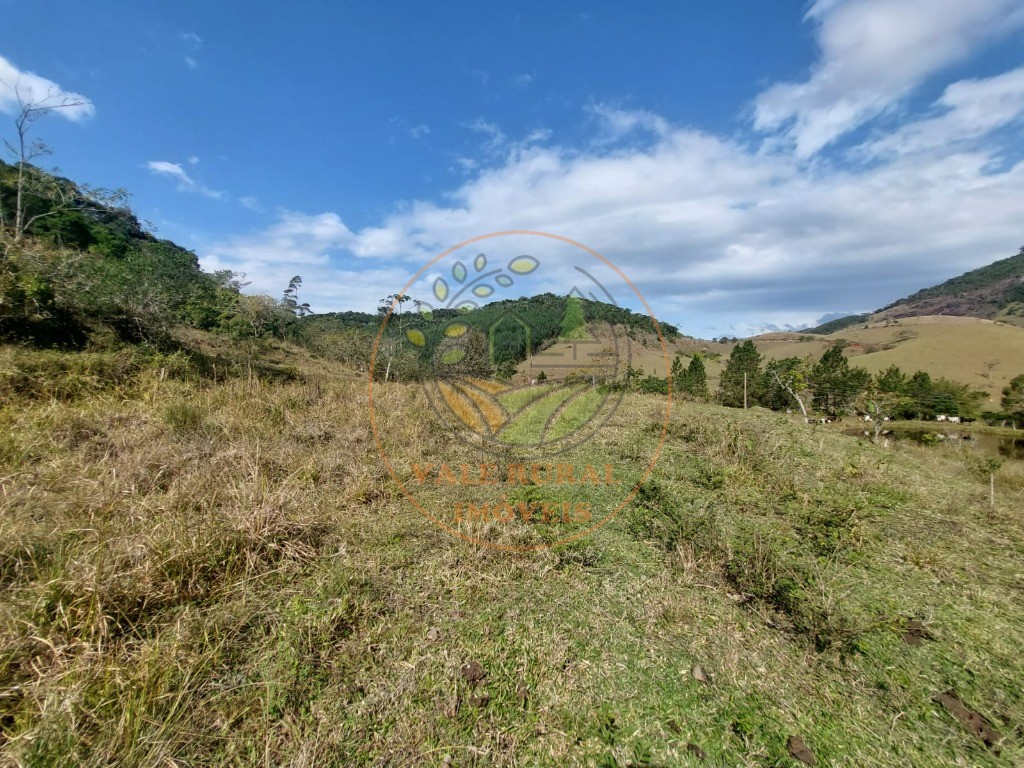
pixel 528 414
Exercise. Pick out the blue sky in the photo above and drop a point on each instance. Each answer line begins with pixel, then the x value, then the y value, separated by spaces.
pixel 744 163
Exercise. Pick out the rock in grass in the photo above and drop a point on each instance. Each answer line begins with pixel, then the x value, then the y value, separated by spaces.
pixel 798 751
pixel 971 720
pixel 699 674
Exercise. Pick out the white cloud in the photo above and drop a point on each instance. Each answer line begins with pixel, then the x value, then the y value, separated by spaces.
pixel 715 233
pixel 185 182
pixel 522 80
pixel 418 131
pixel 619 123
pixel 299 243
pixel 250 203
pixel 32 88
pixel 720 236
pixel 971 110
pixel 191 63
pixel 873 53
pixel 193 160
pixel 192 39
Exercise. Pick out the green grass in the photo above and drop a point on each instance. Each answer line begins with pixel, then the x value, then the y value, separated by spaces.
pixel 517 398
pixel 530 423
pixel 200 574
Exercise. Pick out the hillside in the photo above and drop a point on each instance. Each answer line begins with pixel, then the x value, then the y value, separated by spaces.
pixel 223 574
pixel 992 292
pixel 981 353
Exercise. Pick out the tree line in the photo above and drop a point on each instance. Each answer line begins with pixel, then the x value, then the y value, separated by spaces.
pixel 833 387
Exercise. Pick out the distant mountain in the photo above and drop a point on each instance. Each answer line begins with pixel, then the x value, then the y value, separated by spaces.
pixel 838 324
pixel 994 292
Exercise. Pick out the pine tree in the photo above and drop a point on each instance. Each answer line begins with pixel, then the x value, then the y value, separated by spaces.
pixel 679 382
pixel 834 384
pixel 696 377
pixel 744 359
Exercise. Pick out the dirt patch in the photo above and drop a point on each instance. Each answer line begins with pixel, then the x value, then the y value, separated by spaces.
pixel 971 720
pixel 798 750
pixel 915 633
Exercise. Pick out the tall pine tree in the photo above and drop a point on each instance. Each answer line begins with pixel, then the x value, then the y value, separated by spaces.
pixel 744 359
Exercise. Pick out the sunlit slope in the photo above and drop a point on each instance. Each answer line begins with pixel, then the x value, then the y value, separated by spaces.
pixel 978 352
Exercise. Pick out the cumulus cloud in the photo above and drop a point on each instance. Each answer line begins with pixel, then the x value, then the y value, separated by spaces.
pixel 30 88
pixel 723 237
pixel 185 182
pixel 874 53
pixel 299 243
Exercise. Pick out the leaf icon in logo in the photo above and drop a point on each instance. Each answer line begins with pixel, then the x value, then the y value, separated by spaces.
pixel 523 265
pixel 503 280
pixel 459 272
pixel 416 337
pixel 452 356
pixel 455 330
pixel 483 290
pixel 440 289
pixel 480 262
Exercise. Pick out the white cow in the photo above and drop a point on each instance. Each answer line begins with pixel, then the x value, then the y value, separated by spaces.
pixel 954 419
pixel 941 417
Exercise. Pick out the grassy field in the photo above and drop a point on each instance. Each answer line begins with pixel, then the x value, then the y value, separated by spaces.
pixel 978 352
pixel 225 574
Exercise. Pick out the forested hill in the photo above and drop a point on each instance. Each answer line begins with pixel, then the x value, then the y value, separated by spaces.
pixel 513 328
pixel 79 270
pixel 993 292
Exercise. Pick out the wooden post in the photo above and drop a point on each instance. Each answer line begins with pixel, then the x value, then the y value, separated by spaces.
pixel 744 390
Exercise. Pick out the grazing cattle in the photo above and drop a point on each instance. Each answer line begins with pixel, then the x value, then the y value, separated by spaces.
pixel 954 419
pixel 533 382
pixel 885 418
pixel 867 417
pixel 941 417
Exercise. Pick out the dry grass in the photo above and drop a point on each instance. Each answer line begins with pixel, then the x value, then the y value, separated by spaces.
pixel 958 348
pixel 199 574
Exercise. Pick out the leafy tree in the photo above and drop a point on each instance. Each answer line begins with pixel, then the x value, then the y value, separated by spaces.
pixel 290 299
pixel 834 384
pixel 1012 401
pixel 785 384
pixel 38 194
pixel 744 359
pixel 653 385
